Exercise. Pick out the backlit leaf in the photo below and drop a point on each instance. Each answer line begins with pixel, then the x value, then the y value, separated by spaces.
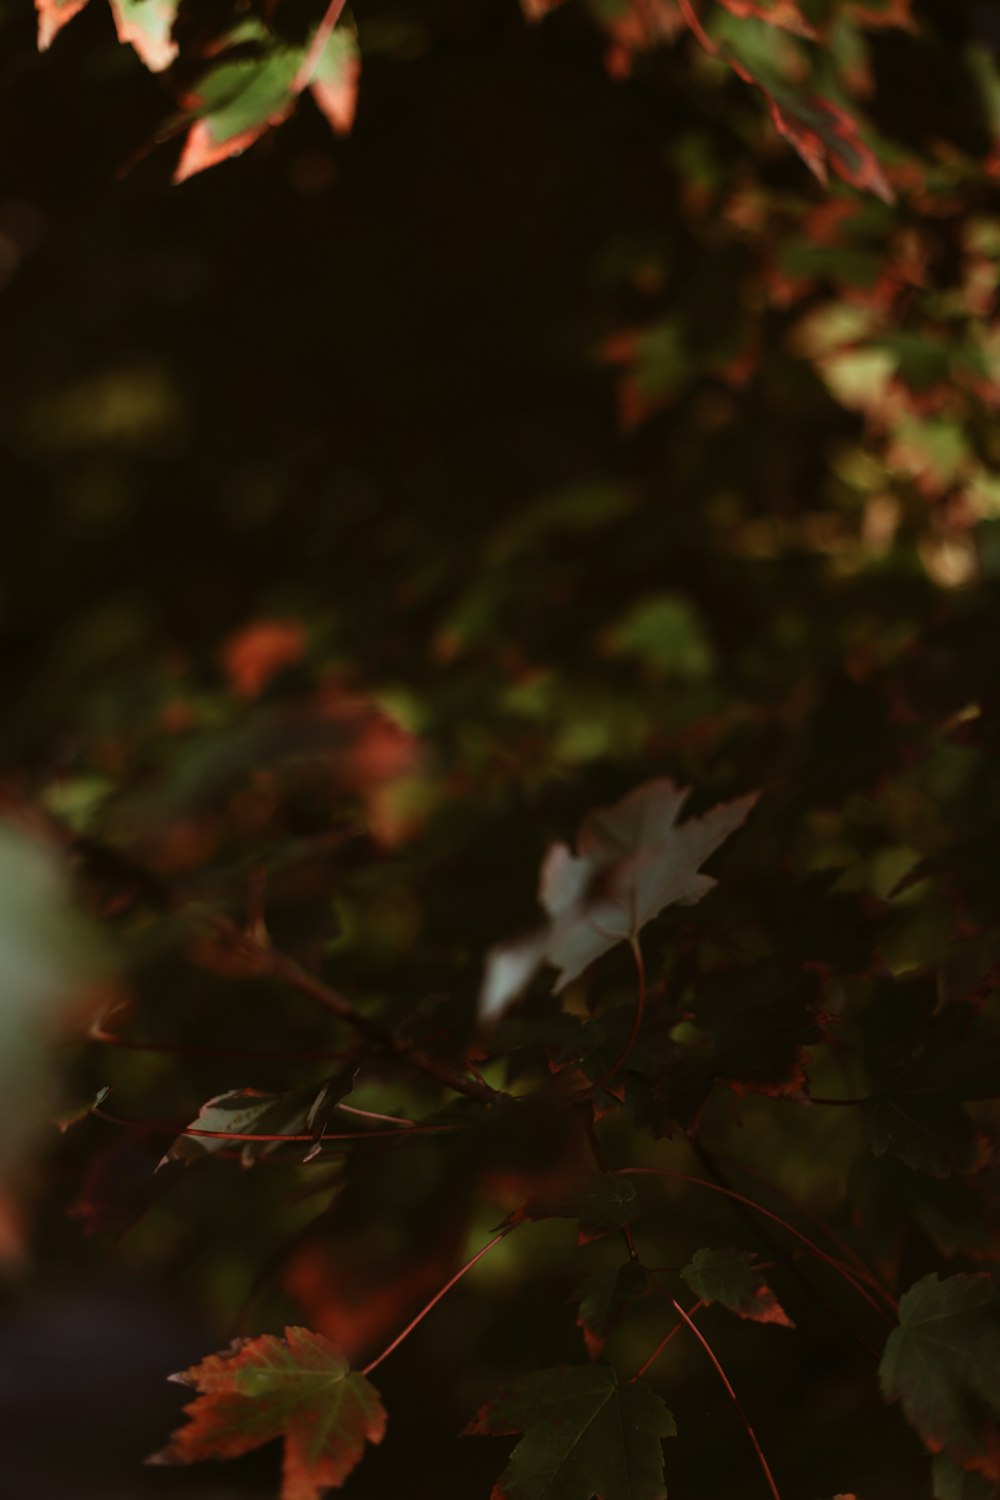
pixel 299 1388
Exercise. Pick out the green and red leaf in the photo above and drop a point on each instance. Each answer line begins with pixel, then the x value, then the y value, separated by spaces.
pixel 299 1388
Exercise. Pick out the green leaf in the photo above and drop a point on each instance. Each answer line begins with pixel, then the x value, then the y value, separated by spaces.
pixel 243 1112
pixel 604 1296
pixel 952 1482
pixel 239 99
pixel 941 1364
pixel 603 1204
pixel 730 1277
pixel 585 1437
pixel 148 26
pixel 299 1387
pixel 922 1068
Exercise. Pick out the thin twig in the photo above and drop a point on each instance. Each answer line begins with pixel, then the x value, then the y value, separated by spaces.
pixel 703 1341
pixel 428 1307
pixel 714 1187
pixel 666 1339
pixel 640 1011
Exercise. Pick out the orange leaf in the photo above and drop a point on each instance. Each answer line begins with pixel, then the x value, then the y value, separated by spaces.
pixel 53 16
pixel 255 654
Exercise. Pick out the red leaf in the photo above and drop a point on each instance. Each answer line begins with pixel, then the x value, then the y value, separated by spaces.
pixel 53 16
pixel 300 1388
pixel 256 653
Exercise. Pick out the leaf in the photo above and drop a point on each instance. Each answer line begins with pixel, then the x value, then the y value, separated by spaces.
pixel 729 1277
pixel 631 862
pixel 334 81
pixel 300 1388
pixel 239 100
pixel 922 1068
pixel 48 958
pixel 604 1295
pixel 941 1365
pixel 148 25
pixel 823 133
pixel 951 1482
pixel 585 1437
pixel 602 1205
pixel 783 13
pixel 241 1112
pixel 53 16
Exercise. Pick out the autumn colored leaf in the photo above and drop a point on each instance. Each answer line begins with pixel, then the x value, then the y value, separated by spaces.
pixel 940 1364
pixel 53 15
pixel 730 1277
pixel 632 860
pixel 147 25
pixel 255 654
pixel 299 1388
pixel 604 1296
pixel 585 1436
pixel 783 13
pixel 334 80
pixel 825 135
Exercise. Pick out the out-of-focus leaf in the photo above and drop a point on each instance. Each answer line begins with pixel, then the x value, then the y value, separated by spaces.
pixel 299 1388
pixel 941 1365
pixel 585 1436
pixel 632 861
pixel 148 25
pixel 53 16
pixel 47 958
pixel 239 99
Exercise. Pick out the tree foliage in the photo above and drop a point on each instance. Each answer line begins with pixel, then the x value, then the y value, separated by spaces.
pixel 572 448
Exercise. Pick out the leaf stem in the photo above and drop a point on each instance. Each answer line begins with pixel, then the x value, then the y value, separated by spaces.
pixel 703 1341
pixel 640 1011
pixel 666 1339
pixel 428 1307
pixel 687 10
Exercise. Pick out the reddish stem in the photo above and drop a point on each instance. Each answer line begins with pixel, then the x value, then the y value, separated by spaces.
pixel 714 1187
pixel 428 1307
pixel 667 1337
pixel 690 15
pixel 640 1011
pixel 703 1341
pixel 323 33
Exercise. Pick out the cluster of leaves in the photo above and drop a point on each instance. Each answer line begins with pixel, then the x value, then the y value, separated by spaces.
pixel 334 1083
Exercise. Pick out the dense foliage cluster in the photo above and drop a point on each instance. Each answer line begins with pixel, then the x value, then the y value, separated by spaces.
pixel 500 789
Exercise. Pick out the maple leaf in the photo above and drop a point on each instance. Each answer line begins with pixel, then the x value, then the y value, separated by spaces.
pixel 148 25
pixel 730 1277
pixel 823 133
pixel 602 1204
pixel 53 15
pixel 923 1067
pixel 632 860
pixel 604 1296
pixel 941 1365
pixel 333 79
pixel 299 1387
pixel 242 1112
pixel 585 1436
